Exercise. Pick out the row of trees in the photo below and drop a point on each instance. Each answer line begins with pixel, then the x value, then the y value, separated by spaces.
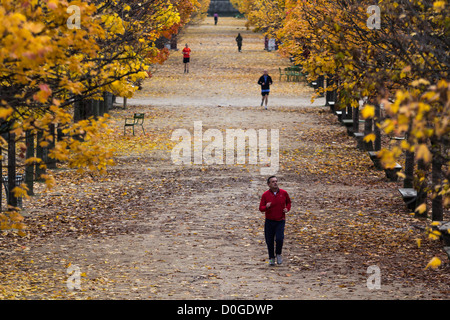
pixel 394 55
pixel 61 61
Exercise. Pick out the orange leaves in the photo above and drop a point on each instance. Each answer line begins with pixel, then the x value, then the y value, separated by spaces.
pixel 46 48
pixel 113 23
pixel 12 220
pixel 370 137
pixel 43 93
pixel 368 112
pixel 423 153
pixel 88 153
pixel 52 4
pixel 5 112
pixel 389 157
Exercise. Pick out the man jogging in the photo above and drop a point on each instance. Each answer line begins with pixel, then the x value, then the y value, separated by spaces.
pixel 275 203
pixel 265 81
pixel 186 57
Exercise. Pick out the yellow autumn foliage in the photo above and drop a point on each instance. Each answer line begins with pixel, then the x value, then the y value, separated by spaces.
pixel 48 65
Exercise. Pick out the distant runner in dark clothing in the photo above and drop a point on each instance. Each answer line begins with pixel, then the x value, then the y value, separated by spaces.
pixel 239 42
pixel 265 81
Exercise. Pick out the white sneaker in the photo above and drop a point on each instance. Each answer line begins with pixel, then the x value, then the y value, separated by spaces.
pixel 279 259
pixel 272 262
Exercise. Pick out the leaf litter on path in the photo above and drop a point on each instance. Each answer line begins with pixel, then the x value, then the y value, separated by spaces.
pixel 150 229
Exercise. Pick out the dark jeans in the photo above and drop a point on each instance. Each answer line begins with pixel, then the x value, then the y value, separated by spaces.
pixel 274 230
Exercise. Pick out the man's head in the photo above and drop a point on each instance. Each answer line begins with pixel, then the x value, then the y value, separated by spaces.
pixel 186 45
pixel 272 182
pixel 265 72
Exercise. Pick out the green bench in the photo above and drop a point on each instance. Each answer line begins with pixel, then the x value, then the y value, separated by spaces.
pixel 281 73
pixel 292 73
pixel 137 120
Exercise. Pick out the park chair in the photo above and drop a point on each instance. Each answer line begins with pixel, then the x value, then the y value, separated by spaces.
pixel 293 73
pixel 137 120
pixel 288 73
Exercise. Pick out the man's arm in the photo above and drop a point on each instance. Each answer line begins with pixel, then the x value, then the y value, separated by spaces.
pixel 264 205
pixel 288 202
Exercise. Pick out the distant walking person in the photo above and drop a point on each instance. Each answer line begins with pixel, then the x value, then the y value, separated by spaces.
pixel 186 58
pixel 265 81
pixel 239 42
pixel 275 203
pixel 216 18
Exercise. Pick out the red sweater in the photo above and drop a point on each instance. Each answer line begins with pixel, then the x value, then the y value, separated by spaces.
pixel 278 202
pixel 186 52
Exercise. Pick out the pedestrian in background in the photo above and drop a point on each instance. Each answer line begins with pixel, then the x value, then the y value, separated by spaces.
pixel 186 57
pixel 239 42
pixel 265 81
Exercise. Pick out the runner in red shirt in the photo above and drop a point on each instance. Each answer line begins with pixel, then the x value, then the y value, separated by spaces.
pixel 186 57
pixel 275 203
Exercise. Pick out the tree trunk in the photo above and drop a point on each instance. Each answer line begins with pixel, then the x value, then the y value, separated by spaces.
pixel 29 169
pixel 174 42
pixel 329 93
pixel 349 113
pixel 41 154
pixel 103 104
pixel 109 102
pixel 320 85
pixel 356 120
pixel 12 200
pixel 437 213
pixel 95 108
pixel 409 170
pixel 84 109
pixel 77 116
pixel 376 127
pixel 59 134
pixel 1 178
pixel 51 161
pixel 368 129
pixel 422 169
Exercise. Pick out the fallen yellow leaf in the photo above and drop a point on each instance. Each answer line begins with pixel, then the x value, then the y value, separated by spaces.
pixel 434 263
pixel 370 137
pixel 421 209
